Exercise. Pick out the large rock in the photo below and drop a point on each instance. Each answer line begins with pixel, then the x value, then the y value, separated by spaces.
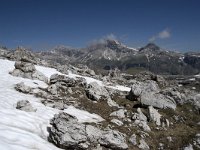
pixel 119 113
pixel 148 94
pixel 117 122
pixel 140 120
pixel 95 92
pixel 25 106
pixel 64 80
pixel 21 87
pixel 138 88
pixel 27 70
pixel 139 116
pixel 24 66
pixel 22 54
pixel 143 145
pixel 66 132
pixel 180 98
pixel 133 139
pixel 113 139
pixel 157 100
pixel 154 115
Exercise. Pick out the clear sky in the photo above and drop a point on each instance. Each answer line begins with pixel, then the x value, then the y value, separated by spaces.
pixel 172 24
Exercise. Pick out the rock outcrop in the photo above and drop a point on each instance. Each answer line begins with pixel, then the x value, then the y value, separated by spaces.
pixel 157 100
pixel 148 94
pixel 21 87
pixel 154 115
pixel 22 54
pixel 96 92
pixel 28 70
pixel 66 132
pixel 140 120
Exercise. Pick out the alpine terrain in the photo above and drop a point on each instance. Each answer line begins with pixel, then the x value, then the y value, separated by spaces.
pixel 106 96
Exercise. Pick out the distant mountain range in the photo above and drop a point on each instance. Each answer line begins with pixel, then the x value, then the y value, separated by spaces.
pixel 110 54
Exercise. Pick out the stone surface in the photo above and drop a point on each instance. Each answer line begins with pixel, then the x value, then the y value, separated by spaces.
pixel 95 92
pixel 140 120
pixel 117 122
pixel 66 132
pixel 157 100
pixel 120 113
pixel 154 115
pixel 64 80
pixel 113 139
pixel 148 94
pixel 22 54
pixel 27 70
pixel 133 139
pixel 143 145
pixel 21 87
pixel 25 106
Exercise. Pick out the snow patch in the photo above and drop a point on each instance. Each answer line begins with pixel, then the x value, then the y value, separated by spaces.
pixel 28 130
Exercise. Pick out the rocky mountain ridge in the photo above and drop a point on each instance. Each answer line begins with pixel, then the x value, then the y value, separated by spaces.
pixel 111 54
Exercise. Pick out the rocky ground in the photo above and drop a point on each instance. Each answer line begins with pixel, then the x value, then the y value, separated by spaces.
pixel 140 111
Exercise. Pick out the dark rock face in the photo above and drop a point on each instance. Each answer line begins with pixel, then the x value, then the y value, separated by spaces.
pixel 150 47
pixel 193 59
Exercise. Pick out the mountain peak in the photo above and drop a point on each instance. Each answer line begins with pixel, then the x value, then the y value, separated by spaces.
pixel 150 47
pixel 112 41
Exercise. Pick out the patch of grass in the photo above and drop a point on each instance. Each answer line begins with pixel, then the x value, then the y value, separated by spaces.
pixel 135 70
pixel 182 132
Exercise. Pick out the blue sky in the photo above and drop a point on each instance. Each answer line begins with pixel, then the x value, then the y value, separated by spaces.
pixel 172 24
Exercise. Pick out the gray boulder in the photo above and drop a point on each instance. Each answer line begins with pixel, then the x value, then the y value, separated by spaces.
pixel 140 120
pixel 25 106
pixel 154 115
pixel 133 139
pixel 24 66
pixel 114 140
pixel 52 89
pixel 64 80
pixel 148 93
pixel 139 115
pixel 21 87
pixel 143 145
pixel 27 70
pixel 66 132
pixel 117 122
pixel 138 88
pixel 119 113
pixel 157 100
pixel 96 92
